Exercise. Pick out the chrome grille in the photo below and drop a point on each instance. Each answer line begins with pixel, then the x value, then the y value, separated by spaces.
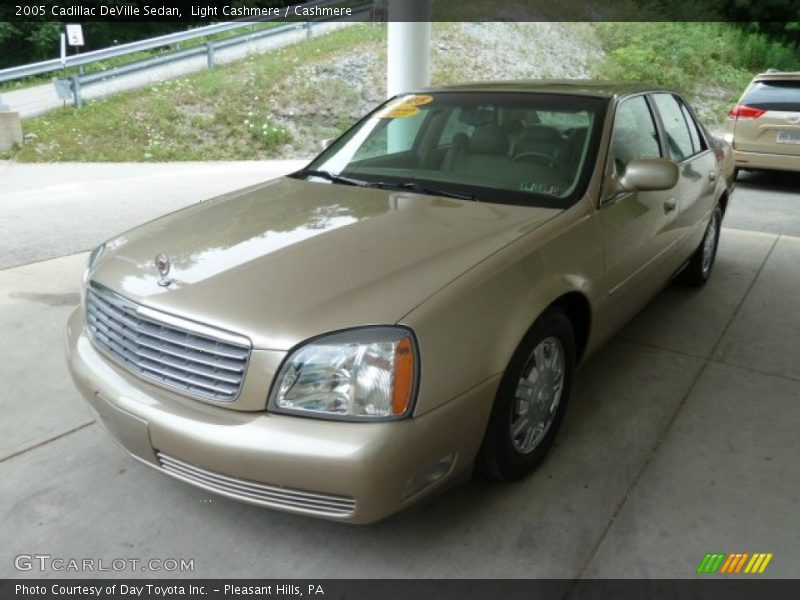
pixel 178 354
pixel 258 493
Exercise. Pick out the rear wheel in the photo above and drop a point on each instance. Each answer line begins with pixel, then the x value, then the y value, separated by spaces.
pixel 701 264
pixel 531 400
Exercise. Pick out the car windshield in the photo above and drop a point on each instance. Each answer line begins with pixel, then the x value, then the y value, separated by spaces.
pixel 516 148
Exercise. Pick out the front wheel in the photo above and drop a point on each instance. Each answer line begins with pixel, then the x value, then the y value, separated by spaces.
pixel 531 400
pixel 701 264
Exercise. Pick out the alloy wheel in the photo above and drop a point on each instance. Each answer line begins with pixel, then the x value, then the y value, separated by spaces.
pixel 537 395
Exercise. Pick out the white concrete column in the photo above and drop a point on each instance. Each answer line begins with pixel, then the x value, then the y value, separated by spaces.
pixel 409 45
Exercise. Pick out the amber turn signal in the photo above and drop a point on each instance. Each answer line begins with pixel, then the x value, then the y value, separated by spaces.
pixel 403 383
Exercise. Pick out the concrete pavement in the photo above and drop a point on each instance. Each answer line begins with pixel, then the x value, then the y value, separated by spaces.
pixel 51 210
pixel 671 449
pixel 681 439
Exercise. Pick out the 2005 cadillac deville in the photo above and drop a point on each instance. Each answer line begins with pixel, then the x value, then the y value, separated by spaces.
pixel 344 341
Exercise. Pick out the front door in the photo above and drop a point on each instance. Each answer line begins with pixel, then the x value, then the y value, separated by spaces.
pixel 636 226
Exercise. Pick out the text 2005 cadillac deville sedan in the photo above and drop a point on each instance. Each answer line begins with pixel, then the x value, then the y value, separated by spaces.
pixel 344 341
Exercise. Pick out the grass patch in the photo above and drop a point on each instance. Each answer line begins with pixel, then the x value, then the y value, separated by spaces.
pixel 222 114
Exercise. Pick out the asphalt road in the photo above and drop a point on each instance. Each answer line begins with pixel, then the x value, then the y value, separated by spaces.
pixel 767 202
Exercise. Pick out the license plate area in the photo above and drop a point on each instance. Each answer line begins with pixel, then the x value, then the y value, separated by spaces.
pixel 788 137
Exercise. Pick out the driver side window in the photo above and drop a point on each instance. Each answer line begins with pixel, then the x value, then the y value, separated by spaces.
pixel 635 134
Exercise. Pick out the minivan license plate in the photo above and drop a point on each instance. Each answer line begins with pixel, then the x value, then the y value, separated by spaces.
pixel 788 137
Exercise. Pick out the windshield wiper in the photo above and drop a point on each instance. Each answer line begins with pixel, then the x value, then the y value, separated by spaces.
pixel 331 177
pixel 406 185
pixel 416 187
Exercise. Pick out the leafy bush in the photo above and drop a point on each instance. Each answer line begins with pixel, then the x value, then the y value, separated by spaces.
pixel 709 62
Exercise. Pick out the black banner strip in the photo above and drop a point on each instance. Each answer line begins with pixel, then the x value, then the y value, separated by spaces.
pixel 205 12
pixel 711 588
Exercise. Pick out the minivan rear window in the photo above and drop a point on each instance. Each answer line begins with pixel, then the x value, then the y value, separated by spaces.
pixel 773 95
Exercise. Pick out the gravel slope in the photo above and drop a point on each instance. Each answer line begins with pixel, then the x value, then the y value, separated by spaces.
pixel 318 101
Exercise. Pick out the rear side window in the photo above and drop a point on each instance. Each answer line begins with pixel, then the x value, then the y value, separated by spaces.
pixel 697 140
pixel 679 138
pixel 773 95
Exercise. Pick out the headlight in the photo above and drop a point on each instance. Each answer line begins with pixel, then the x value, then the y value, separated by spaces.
pixel 362 374
pixel 93 258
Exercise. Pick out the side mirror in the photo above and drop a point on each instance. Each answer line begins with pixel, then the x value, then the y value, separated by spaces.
pixel 647 175
pixel 323 144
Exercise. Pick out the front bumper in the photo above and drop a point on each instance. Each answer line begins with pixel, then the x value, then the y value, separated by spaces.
pixel 756 160
pixel 357 472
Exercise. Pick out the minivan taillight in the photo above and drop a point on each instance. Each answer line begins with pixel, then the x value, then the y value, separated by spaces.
pixel 742 111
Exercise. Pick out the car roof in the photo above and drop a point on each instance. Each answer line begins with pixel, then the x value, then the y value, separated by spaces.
pixel 778 76
pixel 578 87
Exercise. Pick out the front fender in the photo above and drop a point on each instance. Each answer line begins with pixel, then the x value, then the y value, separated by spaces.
pixel 469 330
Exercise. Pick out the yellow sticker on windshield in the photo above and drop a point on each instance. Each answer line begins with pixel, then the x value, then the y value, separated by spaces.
pixel 406 107
pixel 418 100
pixel 400 111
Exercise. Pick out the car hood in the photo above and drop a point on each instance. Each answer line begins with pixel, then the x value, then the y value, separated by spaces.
pixel 288 259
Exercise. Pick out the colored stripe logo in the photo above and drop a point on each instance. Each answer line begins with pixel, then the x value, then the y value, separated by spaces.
pixel 735 562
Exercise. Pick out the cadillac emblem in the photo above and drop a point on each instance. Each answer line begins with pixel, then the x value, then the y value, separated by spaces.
pixel 163 265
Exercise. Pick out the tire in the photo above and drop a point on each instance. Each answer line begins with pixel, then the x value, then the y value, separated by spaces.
pixel 700 266
pixel 532 372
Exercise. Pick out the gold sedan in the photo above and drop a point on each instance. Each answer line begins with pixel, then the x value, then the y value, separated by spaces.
pixel 344 341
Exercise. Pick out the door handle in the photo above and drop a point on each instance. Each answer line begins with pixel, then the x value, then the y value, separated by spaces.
pixel 712 176
pixel 670 205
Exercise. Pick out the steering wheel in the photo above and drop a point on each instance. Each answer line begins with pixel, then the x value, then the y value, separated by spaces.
pixel 536 157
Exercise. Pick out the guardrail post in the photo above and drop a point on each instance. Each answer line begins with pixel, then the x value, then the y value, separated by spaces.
pixel 210 55
pixel 308 30
pixel 76 91
pixel 3 106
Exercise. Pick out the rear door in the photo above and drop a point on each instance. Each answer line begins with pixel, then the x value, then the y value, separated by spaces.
pixel 696 189
pixel 767 118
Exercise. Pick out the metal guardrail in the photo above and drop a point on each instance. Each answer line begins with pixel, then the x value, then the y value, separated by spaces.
pixel 56 64
pixel 71 88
